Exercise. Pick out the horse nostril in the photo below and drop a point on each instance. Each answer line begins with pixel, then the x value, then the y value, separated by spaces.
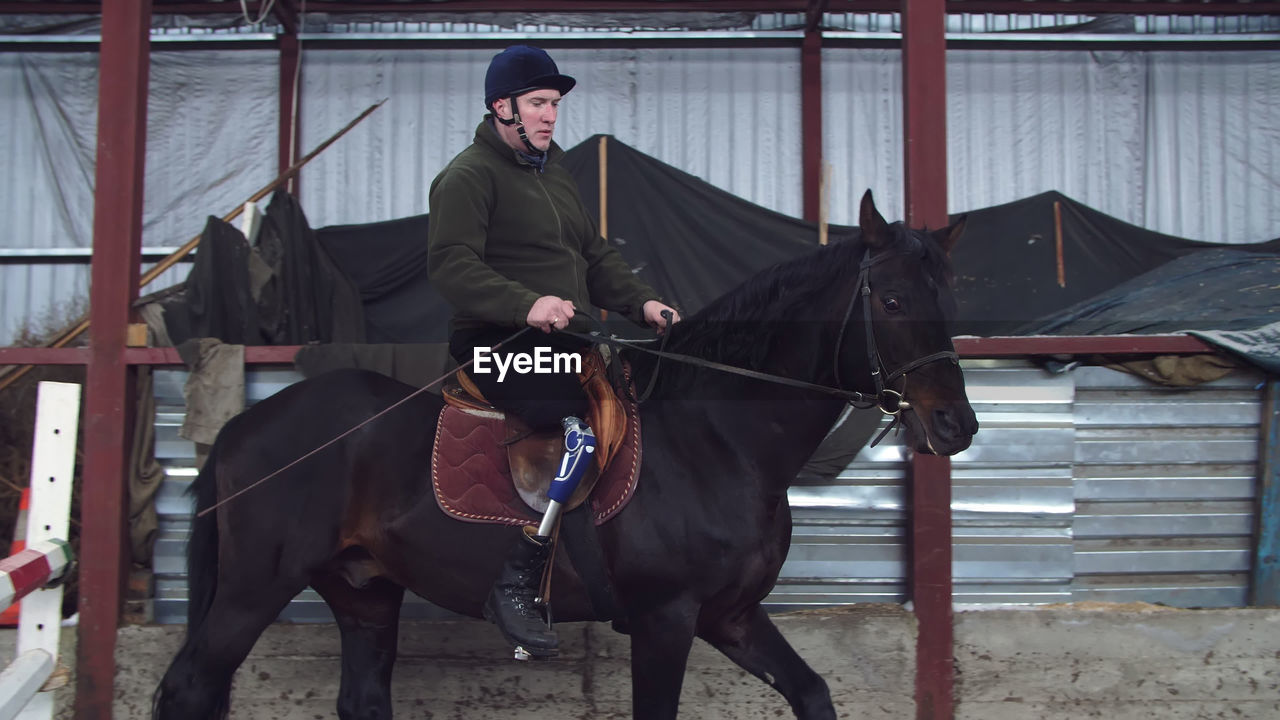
pixel 945 425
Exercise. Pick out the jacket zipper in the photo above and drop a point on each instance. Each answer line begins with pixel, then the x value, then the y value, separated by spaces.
pixel 560 232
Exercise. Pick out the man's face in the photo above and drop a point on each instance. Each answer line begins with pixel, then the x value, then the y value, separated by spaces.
pixel 538 111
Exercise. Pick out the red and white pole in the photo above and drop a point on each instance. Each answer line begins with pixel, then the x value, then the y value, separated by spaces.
pixel 45 559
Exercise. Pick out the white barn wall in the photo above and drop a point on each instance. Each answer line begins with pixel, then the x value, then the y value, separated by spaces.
pixel 729 116
pixel 862 130
pixel 1213 145
pixel 212 118
pixel 1186 143
pixel 1023 122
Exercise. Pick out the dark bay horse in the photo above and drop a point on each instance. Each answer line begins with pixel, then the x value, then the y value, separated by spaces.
pixel 693 554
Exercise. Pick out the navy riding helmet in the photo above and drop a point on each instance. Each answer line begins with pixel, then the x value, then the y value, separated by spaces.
pixel 520 69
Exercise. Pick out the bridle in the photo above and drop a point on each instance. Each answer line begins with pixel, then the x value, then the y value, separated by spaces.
pixel 890 401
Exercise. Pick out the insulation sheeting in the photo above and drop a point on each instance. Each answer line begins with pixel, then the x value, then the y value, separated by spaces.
pixel 212 119
pixel 730 116
pixel 1213 145
pixel 1183 143
pixel 1179 142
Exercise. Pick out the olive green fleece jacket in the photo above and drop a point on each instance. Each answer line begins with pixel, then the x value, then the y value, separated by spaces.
pixel 501 234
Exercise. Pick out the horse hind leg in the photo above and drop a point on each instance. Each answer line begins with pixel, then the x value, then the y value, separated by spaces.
pixel 755 644
pixel 367 611
pixel 197 685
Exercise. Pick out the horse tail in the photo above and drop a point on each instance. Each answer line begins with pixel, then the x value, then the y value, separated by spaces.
pixel 185 692
pixel 202 546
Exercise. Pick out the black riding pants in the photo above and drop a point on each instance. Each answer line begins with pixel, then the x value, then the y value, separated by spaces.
pixel 540 399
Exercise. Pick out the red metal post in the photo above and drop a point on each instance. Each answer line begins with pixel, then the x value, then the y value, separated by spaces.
pixel 123 65
pixel 289 82
pixel 925 111
pixel 811 120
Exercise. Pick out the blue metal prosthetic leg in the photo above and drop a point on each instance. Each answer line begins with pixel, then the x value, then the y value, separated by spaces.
pixel 579 448
pixel 513 603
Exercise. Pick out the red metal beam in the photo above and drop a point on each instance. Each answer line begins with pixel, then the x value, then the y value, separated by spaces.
pixel 1013 7
pixel 967 346
pixel 286 11
pixel 124 61
pixel 1122 7
pixel 811 121
pixel 924 88
pixel 253 355
pixel 995 347
pixel 44 356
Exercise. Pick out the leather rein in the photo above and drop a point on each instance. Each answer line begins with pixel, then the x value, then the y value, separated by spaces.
pixel 891 402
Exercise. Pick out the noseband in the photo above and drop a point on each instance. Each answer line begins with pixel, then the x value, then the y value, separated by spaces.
pixel 890 401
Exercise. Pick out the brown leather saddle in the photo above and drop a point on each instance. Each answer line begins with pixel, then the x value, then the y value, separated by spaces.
pixel 489 467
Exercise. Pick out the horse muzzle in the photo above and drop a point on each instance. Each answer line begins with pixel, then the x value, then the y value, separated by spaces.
pixel 943 430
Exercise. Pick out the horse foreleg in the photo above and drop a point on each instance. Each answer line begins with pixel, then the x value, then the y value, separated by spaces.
pixel 660 644
pixel 754 643
pixel 368 618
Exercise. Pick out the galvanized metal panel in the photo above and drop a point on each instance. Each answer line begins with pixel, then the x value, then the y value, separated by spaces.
pixel 1012 504
pixel 1035 518
pixel 1164 488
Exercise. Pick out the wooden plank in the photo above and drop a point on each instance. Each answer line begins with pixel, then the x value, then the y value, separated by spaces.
pixel 22 680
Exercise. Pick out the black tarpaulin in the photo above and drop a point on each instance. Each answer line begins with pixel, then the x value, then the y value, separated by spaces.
pixel 284 291
pixel 1007 262
pixel 691 241
pixel 387 263
pixel 1017 265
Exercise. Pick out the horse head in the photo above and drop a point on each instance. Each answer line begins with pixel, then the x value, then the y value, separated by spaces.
pixel 905 319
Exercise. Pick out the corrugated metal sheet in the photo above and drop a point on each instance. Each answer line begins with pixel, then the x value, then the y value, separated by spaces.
pixel 730 116
pixel 1087 485
pixel 1165 491
pixel 1011 505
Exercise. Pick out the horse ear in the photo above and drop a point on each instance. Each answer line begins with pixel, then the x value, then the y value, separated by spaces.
pixel 872 223
pixel 949 236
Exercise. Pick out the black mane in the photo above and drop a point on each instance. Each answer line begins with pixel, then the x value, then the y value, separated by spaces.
pixel 737 328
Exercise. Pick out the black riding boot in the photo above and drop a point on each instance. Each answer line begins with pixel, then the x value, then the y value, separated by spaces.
pixel 512 605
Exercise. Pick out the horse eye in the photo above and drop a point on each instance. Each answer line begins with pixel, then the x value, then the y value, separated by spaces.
pixel 892 305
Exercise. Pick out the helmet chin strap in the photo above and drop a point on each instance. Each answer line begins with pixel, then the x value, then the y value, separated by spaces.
pixel 515 120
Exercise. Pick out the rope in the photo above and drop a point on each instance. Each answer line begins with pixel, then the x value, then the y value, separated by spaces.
pixel 356 427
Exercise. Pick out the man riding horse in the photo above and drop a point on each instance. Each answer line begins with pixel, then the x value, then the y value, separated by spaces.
pixel 510 246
